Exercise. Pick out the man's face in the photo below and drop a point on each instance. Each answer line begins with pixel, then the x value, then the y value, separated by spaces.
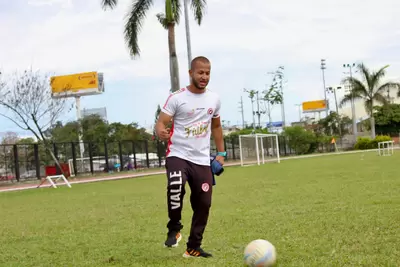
pixel 200 74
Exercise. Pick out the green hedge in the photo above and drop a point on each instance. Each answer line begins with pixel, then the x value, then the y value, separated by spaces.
pixel 368 143
pixel 304 141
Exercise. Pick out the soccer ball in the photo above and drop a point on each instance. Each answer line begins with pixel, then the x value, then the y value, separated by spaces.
pixel 259 253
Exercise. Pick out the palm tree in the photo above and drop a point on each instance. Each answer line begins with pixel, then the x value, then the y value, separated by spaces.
pixel 168 20
pixel 370 89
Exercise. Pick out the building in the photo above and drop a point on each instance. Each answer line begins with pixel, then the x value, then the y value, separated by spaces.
pixel 360 112
pixel 102 112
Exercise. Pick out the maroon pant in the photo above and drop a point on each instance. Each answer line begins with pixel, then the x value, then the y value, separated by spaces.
pixel 199 178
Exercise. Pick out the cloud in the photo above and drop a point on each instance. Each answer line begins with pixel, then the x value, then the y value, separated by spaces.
pixel 244 40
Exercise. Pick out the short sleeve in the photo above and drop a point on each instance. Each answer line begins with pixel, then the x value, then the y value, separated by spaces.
pixel 217 109
pixel 170 105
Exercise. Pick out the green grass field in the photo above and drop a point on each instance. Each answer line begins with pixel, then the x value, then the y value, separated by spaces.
pixel 341 210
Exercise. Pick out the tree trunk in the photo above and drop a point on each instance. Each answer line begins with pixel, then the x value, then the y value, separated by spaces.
pixel 173 59
pixel 372 121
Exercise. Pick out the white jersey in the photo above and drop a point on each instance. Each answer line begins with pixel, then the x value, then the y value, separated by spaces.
pixel 191 128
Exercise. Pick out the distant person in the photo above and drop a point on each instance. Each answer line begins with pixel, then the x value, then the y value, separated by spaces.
pixel 195 115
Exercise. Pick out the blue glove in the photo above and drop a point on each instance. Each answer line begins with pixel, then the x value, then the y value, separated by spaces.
pixel 216 168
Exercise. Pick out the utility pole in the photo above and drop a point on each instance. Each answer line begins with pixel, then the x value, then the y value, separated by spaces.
pixel 242 111
pixel 353 109
pixel 252 93
pixel 323 80
pixel 299 105
pixel 258 111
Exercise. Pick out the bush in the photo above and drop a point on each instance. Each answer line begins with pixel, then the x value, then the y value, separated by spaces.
pixel 301 140
pixel 368 143
pixel 380 138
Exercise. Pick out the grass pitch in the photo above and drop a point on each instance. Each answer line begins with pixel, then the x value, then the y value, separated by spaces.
pixel 341 210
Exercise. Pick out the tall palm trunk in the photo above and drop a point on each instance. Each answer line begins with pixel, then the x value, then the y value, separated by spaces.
pixel 372 120
pixel 173 59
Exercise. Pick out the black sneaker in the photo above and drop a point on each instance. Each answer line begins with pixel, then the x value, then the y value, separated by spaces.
pixel 173 239
pixel 199 252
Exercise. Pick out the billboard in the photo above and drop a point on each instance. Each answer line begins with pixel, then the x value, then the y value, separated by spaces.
pixel 274 124
pixel 314 106
pixel 80 84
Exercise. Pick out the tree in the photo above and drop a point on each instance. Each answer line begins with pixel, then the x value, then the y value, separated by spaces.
pixel 370 89
pixel 274 95
pixel 60 133
pixel 157 114
pixel 330 124
pixel 10 138
pixel 27 99
pixel 271 97
pixel 168 19
pixel 387 119
pixel 302 141
pixel 252 93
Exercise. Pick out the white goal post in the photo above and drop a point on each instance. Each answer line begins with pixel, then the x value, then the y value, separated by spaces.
pixel 53 180
pixel 252 145
pixel 385 148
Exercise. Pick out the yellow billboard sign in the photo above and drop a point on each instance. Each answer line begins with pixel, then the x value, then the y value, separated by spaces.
pixel 314 106
pixel 86 83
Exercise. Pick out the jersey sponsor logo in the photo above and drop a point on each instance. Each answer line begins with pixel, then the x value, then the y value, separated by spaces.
pixel 197 130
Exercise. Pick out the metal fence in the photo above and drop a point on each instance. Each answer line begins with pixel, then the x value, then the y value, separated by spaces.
pixel 21 162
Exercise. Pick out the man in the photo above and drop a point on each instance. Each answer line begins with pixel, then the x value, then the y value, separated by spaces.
pixel 194 112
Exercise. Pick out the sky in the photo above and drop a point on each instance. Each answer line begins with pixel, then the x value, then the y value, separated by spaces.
pixel 243 39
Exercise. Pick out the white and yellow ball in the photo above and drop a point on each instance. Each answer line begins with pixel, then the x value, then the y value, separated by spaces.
pixel 260 253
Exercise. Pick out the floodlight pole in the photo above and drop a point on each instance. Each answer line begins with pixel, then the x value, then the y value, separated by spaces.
pixel 323 80
pixel 333 89
pixel 353 110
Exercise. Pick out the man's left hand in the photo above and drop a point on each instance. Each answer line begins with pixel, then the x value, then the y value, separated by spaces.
pixel 220 159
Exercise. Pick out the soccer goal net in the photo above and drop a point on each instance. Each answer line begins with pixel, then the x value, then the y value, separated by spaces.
pixel 385 148
pixel 258 149
pixel 83 165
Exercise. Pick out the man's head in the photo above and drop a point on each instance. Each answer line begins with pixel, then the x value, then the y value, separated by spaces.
pixel 200 69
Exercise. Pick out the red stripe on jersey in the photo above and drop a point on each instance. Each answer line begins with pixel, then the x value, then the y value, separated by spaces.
pixel 170 95
pixel 170 139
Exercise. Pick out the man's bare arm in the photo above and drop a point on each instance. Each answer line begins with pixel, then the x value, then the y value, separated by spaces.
pixel 216 130
pixel 161 126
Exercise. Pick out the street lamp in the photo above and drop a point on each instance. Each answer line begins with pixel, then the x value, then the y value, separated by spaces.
pixel 323 67
pixel 353 110
pixel 333 90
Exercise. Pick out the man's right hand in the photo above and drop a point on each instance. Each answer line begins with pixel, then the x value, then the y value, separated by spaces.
pixel 164 134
